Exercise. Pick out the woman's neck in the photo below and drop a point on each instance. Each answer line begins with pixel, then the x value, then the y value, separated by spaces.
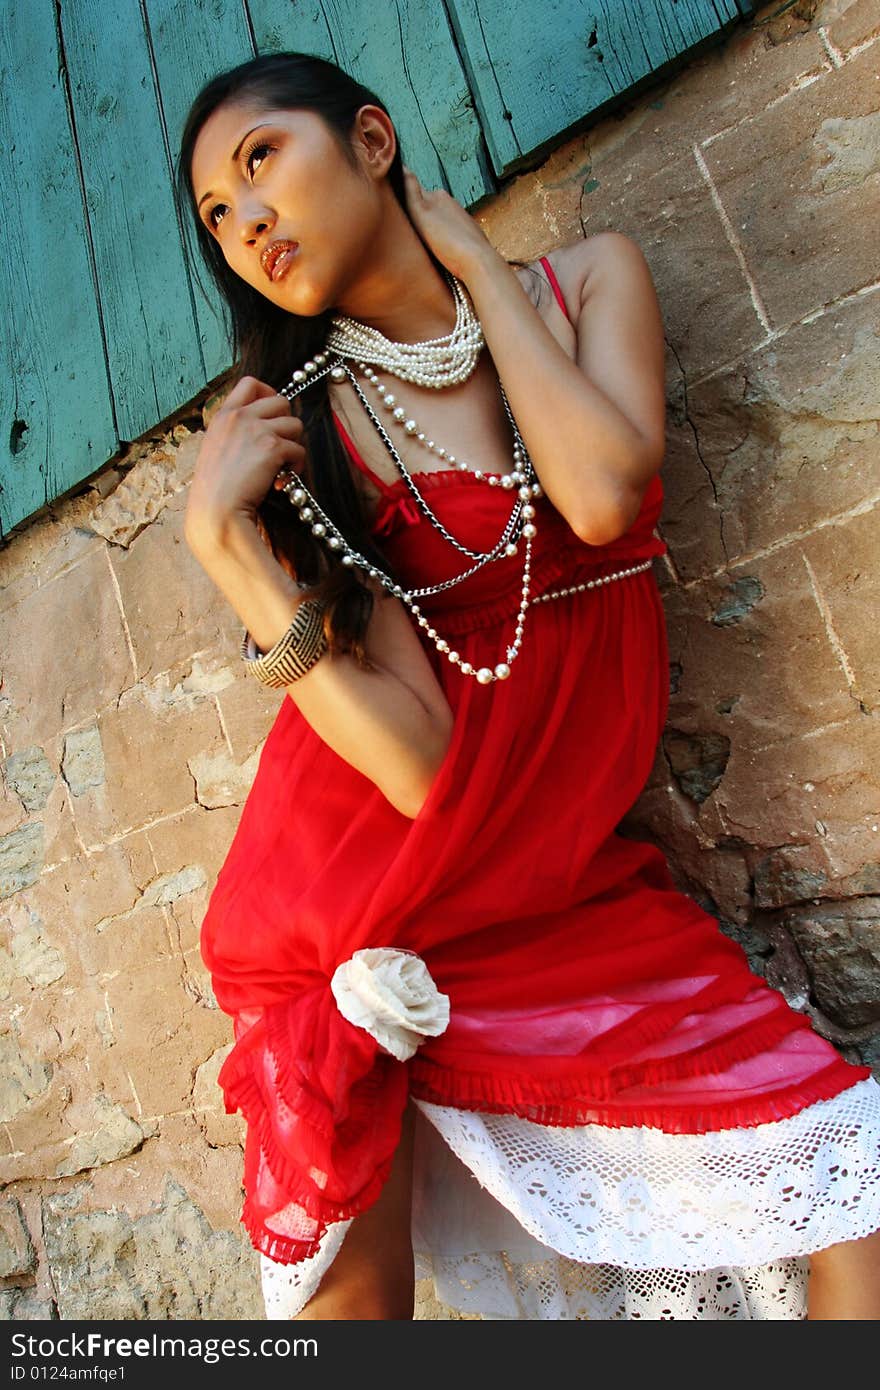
pixel 400 290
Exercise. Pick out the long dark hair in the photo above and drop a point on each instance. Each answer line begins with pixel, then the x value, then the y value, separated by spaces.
pixel 268 342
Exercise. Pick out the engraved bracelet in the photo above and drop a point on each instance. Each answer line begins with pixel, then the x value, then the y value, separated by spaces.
pixel 295 652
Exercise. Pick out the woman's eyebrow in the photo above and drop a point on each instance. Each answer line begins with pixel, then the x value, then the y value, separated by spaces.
pixel 234 157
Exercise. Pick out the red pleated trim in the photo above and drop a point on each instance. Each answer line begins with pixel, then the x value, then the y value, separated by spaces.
pixel 562 1103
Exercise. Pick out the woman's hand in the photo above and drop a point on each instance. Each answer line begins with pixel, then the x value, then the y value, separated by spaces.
pixel 250 439
pixel 446 227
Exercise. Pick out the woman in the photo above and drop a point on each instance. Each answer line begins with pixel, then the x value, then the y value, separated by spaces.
pixel 468 1016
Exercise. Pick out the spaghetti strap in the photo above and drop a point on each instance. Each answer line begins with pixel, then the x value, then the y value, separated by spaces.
pixel 551 276
pixel 356 458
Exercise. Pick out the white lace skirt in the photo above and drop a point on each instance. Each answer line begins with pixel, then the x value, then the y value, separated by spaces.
pixel 513 1219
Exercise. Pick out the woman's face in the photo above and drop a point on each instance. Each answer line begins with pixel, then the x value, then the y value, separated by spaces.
pixel 261 176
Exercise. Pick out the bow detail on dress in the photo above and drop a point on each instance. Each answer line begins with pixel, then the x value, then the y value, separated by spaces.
pixel 397 509
pixel 390 993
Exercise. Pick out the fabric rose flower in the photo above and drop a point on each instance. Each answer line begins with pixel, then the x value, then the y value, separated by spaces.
pixel 390 993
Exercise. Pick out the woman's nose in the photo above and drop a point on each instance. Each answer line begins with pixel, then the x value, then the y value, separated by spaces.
pixel 255 224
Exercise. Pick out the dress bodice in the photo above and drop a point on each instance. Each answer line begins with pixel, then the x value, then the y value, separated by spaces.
pixel 475 513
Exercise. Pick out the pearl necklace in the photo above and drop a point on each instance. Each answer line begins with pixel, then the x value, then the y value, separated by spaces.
pixel 436 362
pixel 410 427
pixel 311 512
pixel 520 524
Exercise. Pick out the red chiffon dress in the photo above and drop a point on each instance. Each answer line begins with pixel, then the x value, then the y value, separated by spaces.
pixel 615 1117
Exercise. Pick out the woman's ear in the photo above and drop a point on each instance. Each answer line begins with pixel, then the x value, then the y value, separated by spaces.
pixel 375 140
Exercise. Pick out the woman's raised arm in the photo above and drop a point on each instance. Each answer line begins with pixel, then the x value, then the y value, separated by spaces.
pixel 393 723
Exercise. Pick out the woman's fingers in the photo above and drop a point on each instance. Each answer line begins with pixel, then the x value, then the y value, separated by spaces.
pixel 248 388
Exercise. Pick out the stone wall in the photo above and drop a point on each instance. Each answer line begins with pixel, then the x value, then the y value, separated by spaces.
pixel 130 736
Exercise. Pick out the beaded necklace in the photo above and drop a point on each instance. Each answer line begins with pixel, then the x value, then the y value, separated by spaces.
pixel 437 362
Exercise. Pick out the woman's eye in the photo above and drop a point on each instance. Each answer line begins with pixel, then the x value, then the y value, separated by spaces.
pixel 247 157
pixel 255 149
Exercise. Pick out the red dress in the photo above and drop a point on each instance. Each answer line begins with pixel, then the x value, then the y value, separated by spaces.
pixel 584 989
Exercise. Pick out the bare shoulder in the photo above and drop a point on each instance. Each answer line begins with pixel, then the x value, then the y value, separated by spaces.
pixel 579 262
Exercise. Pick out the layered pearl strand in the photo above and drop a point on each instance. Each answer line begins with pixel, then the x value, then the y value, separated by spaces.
pixel 410 427
pixel 436 363
pixel 520 524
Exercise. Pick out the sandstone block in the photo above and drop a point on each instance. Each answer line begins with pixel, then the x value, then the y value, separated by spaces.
pixel 183 618
pixel 100 922
pixel 25 1305
pixel 33 956
pixel 145 754
pixel 116 1134
pixel 697 761
pixel 163 1033
pixel 195 838
pixel 22 854
pixel 788 437
pixel 12 812
pixel 220 780
pixel 765 678
pixel 142 494
pixel 798 180
pixel 128 941
pixel 43 552
pixel 248 714
pixel 49 679
pixel 849 22
pixel 207 1098
pixel 843 561
pixel 791 874
pixel 763 801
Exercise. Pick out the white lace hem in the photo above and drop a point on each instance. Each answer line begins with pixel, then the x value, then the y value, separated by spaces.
pixel 513 1219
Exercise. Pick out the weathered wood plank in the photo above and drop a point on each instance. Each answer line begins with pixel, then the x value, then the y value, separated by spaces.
pixel 56 416
pixel 539 71
pixel 192 43
pixel 404 51
pixel 153 346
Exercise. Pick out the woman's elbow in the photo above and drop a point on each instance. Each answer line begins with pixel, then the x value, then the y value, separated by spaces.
pixel 611 519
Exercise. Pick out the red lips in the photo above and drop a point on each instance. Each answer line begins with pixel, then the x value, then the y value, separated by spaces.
pixel 272 252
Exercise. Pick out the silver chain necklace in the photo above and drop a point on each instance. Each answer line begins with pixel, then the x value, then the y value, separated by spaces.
pixel 518 525
pixel 437 363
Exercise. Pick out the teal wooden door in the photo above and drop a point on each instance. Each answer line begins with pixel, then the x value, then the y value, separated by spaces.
pixel 106 331
pixel 563 63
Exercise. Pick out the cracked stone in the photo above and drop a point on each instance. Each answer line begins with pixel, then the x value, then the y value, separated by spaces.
pixel 22 854
pixel 207 1098
pixel 25 1305
pixel 83 760
pixel 33 957
pixel 166 1265
pixel 17 1256
pixel 739 600
pixel 169 887
pixel 144 492
pixel 698 761
pixel 116 1136
pixel 840 944
pixel 220 781
pixel 22 1077
pixel 30 776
